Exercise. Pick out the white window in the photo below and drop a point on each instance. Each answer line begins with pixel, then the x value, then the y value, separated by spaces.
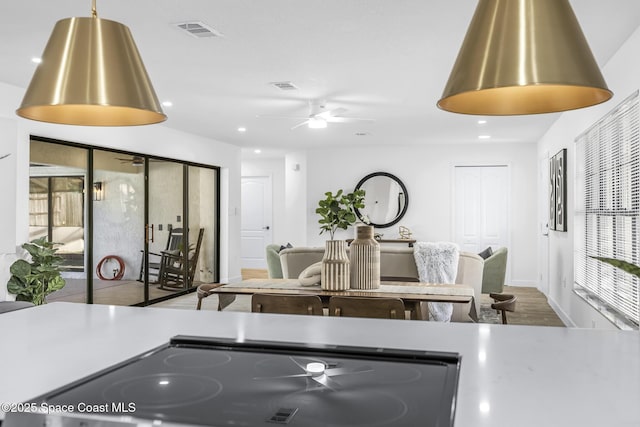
pixel 607 213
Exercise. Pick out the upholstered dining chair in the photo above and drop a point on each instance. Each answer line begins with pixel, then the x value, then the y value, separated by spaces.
pixel 380 308
pixel 287 304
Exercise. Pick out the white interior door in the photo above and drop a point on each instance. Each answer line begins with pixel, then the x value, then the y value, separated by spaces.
pixel 543 262
pixel 256 218
pixel 481 207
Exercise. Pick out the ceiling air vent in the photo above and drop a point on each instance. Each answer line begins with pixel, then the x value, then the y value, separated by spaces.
pixel 198 29
pixel 284 85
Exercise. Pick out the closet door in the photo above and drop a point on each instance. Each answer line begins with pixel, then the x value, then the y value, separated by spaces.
pixel 481 207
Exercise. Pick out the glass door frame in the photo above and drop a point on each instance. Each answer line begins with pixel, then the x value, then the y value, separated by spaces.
pixel 89 206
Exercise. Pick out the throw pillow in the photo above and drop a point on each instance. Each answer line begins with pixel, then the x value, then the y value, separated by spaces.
pixel 486 253
pixel 310 276
pixel 288 246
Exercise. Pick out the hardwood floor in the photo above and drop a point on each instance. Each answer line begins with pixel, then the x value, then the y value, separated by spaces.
pixel 110 292
pixel 531 308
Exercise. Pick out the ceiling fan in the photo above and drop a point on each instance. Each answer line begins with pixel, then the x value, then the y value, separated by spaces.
pixel 319 116
pixel 133 161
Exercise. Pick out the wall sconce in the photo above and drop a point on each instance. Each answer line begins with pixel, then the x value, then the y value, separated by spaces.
pixel 98 191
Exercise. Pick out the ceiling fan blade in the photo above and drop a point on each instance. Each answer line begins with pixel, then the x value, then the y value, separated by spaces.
pixel 327 382
pixel 347 120
pixel 331 113
pixel 345 371
pixel 282 376
pixel 266 116
pixel 300 124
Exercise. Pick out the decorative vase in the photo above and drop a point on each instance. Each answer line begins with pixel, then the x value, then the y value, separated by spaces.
pixel 365 259
pixel 335 272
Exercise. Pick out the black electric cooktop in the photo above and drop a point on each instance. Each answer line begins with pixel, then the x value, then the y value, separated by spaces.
pixel 193 381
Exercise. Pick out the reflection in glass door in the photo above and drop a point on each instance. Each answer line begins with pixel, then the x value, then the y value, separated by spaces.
pixel 165 229
pixel 118 228
pixel 203 232
pixel 57 203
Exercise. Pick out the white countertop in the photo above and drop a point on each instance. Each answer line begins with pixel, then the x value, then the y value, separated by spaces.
pixel 510 375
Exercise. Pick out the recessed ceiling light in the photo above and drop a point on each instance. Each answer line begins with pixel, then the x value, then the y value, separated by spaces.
pixel 257 151
pixel 484 136
pixel 36 60
pixel 481 122
pixel 242 129
pixel 167 104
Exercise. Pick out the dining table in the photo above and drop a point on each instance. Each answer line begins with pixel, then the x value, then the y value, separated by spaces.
pixel 411 293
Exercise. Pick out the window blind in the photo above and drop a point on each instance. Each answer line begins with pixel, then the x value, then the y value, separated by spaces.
pixel 607 210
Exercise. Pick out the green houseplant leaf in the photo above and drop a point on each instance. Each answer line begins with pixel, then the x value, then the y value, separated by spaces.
pixel 33 281
pixel 622 265
pixel 337 211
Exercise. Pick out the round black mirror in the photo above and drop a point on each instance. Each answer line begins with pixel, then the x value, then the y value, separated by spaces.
pixel 385 200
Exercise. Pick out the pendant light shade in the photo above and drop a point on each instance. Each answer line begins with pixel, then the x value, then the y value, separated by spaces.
pixel 91 74
pixel 523 57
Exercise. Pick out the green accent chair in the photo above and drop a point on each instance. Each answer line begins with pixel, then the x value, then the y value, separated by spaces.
pixel 495 269
pixel 273 261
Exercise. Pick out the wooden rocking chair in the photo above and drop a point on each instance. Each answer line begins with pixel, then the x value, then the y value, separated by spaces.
pixel 172 268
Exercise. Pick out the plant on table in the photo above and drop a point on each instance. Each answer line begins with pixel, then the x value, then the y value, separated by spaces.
pixel 33 281
pixel 337 211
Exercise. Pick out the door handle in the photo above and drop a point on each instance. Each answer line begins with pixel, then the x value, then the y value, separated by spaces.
pixel 146 233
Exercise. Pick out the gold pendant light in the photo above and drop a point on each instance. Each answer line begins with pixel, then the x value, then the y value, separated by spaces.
pixel 523 57
pixel 91 74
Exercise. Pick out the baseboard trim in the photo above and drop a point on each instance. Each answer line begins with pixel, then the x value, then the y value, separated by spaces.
pixel 561 313
pixel 523 283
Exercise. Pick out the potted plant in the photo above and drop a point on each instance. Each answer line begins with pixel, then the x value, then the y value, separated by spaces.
pixel 33 281
pixel 337 211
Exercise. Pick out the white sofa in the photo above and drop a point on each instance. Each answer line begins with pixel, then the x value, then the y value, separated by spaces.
pixel 395 264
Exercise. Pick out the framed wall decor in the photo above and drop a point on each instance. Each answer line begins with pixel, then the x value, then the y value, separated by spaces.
pixel 558 191
pixel 552 194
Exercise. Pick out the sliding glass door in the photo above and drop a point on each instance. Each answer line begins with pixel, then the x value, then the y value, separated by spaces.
pixel 133 229
pixel 118 228
pixel 57 201
pixel 166 228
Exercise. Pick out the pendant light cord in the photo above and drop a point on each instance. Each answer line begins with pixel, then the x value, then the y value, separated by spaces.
pixel 94 12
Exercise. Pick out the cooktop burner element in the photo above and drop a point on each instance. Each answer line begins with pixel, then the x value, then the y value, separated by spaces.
pixel 164 390
pixel 206 381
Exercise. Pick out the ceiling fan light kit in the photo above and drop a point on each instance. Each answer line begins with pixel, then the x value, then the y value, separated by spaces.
pixel 91 74
pixel 317 123
pixel 523 57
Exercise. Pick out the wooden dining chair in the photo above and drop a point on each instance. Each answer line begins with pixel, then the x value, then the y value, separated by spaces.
pixel 380 308
pixel 287 304
pixel 503 303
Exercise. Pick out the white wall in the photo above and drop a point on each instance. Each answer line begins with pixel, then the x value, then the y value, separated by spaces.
pixel 622 74
pixel 427 172
pixel 158 140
